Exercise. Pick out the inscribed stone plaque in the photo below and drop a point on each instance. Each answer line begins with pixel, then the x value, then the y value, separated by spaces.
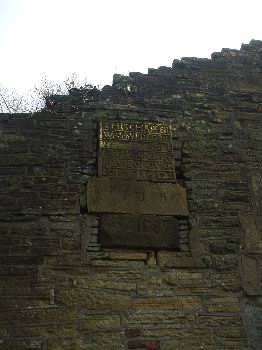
pixel 147 231
pixel 137 150
pixel 136 193
pixel 112 195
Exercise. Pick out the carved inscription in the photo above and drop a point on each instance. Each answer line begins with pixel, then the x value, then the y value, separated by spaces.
pixel 145 231
pixel 136 193
pixel 137 150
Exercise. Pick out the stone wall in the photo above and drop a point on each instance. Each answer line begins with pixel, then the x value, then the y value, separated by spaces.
pixel 60 289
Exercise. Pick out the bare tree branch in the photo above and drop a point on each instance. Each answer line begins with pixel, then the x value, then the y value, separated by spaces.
pixel 6 106
pixel 35 99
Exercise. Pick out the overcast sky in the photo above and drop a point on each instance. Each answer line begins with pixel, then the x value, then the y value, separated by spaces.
pixel 97 38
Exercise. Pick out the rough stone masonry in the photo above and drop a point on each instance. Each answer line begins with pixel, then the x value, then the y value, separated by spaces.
pixel 81 273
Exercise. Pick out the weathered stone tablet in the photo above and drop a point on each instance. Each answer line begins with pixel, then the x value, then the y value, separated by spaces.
pixel 112 195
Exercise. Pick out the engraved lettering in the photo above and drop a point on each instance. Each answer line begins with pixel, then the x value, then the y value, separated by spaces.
pixel 138 150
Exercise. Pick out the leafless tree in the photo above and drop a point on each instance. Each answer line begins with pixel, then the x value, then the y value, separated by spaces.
pixel 12 102
pixel 34 100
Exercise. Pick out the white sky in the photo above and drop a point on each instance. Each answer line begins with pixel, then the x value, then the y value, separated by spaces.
pixel 97 38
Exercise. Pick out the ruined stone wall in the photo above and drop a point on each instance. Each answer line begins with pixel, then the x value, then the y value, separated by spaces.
pixel 60 289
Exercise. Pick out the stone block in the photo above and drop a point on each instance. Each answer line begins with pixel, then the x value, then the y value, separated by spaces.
pixel 230 305
pixel 94 299
pixel 251 275
pixel 178 303
pixel 132 332
pixel 175 259
pixel 144 344
pixel 127 255
pixel 134 231
pixel 111 195
pixel 94 323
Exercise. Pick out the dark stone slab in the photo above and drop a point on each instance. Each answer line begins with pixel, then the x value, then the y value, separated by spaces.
pixel 134 231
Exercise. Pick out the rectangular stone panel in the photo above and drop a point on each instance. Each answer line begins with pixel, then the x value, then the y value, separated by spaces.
pixel 139 150
pixel 250 275
pixel 113 195
pixel 134 231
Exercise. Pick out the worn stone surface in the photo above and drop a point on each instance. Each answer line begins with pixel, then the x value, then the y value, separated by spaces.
pixel 131 151
pixel 111 195
pixel 137 150
pixel 139 231
pixel 60 289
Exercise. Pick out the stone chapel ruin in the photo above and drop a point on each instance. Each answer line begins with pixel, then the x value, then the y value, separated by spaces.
pixel 131 217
